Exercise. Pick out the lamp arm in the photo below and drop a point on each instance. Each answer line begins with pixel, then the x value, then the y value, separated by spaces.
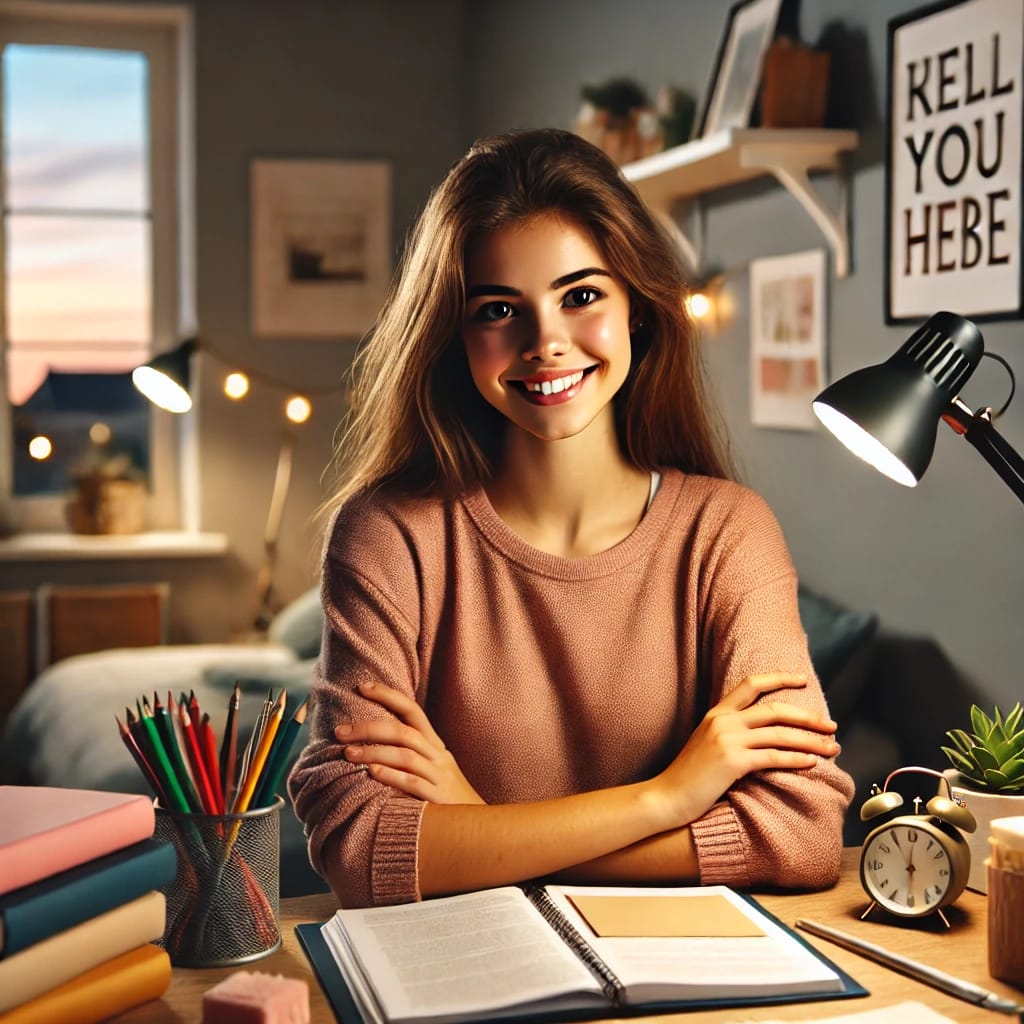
pixel 977 429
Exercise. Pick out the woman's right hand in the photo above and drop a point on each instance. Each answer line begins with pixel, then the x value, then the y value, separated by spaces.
pixel 738 736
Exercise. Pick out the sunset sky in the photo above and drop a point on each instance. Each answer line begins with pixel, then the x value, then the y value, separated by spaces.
pixel 77 212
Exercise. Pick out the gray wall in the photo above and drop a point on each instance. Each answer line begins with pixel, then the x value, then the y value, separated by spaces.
pixel 415 81
pixel 944 560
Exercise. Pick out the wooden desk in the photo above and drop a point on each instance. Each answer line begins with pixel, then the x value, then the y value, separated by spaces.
pixel 961 951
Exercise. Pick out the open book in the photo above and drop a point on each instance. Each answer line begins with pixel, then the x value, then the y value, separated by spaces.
pixel 572 951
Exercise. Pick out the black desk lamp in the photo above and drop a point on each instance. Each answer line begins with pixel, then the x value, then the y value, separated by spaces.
pixel 888 414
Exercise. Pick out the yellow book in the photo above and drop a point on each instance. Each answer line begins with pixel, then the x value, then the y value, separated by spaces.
pixel 128 980
pixel 67 954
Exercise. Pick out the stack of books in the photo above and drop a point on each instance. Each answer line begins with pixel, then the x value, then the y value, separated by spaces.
pixel 80 906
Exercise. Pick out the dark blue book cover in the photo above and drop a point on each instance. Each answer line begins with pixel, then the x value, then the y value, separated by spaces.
pixel 35 912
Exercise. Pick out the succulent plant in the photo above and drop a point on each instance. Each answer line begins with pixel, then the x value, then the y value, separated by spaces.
pixel 992 756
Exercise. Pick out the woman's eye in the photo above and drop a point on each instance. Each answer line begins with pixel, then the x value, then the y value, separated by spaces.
pixel 491 311
pixel 582 297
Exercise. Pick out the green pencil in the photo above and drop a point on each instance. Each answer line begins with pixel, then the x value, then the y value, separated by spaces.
pixel 163 767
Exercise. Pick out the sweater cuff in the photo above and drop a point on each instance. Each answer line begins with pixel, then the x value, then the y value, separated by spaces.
pixel 395 878
pixel 721 858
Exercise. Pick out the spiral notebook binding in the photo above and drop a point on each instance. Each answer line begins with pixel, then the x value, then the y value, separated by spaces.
pixel 610 984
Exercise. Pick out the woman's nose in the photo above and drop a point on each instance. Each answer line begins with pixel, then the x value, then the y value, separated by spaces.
pixel 547 339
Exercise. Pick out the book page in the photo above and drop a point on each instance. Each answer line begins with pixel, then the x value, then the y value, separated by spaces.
pixel 461 957
pixel 904 1013
pixel 769 960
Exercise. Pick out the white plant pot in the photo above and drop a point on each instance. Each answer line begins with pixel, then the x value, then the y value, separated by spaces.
pixel 985 807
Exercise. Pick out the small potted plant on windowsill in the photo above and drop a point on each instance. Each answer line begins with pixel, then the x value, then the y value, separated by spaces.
pixel 988 775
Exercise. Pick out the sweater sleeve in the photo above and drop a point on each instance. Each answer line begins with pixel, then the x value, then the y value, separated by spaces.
pixel 369 634
pixel 779 827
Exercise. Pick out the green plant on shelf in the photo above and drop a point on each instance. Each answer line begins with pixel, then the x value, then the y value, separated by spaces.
pixel 991 756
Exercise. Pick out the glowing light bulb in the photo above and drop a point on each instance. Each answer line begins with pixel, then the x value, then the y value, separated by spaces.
pixel 698 305
pixel 236 385
pixel 298 409
pixel 40 448
pixel 100 433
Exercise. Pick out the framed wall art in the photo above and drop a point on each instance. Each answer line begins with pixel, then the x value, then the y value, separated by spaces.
pixel 953 161
pixel 787 342
pixel 321 246
pixel 749 30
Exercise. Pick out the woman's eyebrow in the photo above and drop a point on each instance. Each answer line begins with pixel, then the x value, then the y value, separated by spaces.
pixel 559 282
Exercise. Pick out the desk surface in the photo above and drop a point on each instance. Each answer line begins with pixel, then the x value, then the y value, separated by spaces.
pixel 963 951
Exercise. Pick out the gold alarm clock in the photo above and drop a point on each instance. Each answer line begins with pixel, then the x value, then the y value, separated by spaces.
pixel 913 865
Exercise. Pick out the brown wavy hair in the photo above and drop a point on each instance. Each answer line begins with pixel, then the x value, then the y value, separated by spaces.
pixel 417 420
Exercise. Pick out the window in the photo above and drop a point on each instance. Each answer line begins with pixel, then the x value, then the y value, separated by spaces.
pixel 92 248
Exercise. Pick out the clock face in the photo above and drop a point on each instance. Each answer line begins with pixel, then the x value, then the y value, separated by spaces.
pixel 906 867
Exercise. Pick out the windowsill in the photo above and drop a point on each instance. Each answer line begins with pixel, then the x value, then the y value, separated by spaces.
pixel 73 547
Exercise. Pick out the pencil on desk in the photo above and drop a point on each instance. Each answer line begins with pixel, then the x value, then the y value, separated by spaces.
pixel 277 760
pixel 250 747
pixel 229 748
pixel 259 756
pixel 164 719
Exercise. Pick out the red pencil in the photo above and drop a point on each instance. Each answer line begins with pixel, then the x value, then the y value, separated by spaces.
pixel 208 745
pixel 140 760
pixel 196 759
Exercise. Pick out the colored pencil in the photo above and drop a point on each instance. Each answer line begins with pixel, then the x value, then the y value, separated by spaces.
pixel 272 721
pixel 162 766
pixel 140 759
pixel 195 756
pixel 277 760
pixel 164 725
pixel 208 745
pixel 229 749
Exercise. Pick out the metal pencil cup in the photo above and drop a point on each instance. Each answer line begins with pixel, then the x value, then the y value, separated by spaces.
pixel 223 905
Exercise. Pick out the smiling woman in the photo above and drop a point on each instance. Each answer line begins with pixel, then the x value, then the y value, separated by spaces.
pixel 558 639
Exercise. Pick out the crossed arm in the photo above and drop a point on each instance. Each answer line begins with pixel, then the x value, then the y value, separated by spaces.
pixel 638 831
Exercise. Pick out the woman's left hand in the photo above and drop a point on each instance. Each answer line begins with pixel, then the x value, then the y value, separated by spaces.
pixel 404 752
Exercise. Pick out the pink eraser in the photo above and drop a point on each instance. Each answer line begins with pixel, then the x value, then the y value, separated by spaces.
pixel 253 998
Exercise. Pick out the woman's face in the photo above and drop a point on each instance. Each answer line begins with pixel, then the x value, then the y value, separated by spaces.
pixel 546 326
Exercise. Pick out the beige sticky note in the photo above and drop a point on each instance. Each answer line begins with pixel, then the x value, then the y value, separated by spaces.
pixel 664 916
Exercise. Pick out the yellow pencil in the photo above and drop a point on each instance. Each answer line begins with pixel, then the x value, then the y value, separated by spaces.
pixel 259 757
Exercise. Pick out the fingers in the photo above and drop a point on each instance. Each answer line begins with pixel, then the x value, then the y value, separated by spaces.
pixel 782 713
pixel 747 692
pixel 402 706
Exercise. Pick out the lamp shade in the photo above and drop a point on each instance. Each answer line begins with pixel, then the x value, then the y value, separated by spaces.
pixel 888 414
pixel 165 379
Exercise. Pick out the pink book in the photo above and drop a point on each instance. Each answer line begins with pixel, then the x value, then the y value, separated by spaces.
pixel 44 830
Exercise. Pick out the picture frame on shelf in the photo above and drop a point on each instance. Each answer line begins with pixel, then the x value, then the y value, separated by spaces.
pixel 954 215
pixel 320 246
pixel 730 96
pixel 787 338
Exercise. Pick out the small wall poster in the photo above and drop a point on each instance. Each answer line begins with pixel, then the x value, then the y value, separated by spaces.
pixel 787 343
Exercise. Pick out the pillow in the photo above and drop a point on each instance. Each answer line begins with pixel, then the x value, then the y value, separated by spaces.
pixel 839 640
pixel 295 677
pixel 300 625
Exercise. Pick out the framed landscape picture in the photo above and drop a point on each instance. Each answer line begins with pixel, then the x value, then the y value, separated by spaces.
pixel 321 246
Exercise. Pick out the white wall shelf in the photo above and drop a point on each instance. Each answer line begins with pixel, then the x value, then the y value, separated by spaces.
pixel 741 154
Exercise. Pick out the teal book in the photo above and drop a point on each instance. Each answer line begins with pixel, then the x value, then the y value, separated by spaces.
pixel 40 910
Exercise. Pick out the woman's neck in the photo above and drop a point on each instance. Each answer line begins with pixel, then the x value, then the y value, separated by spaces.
pixel 564 497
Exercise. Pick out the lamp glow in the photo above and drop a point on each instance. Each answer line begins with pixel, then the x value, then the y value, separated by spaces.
pixel 236 385
pixel 40 448
pixel 698 305
pixel 298 409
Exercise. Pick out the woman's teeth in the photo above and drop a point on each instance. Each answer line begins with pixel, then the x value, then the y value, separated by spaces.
pixel 553 387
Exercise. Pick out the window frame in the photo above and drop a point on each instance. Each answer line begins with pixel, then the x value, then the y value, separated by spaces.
pixel 164 34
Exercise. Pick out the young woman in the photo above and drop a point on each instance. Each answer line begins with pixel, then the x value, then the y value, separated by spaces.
pixel 558 641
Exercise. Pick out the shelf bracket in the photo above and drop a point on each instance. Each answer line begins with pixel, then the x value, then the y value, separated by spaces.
pixel 792 174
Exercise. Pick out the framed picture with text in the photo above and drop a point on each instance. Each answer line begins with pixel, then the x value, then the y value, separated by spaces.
pixel 953 161
pixel 321 246
pixel 749 30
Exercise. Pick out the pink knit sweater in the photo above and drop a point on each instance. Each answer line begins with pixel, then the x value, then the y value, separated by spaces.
pixel 547 676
